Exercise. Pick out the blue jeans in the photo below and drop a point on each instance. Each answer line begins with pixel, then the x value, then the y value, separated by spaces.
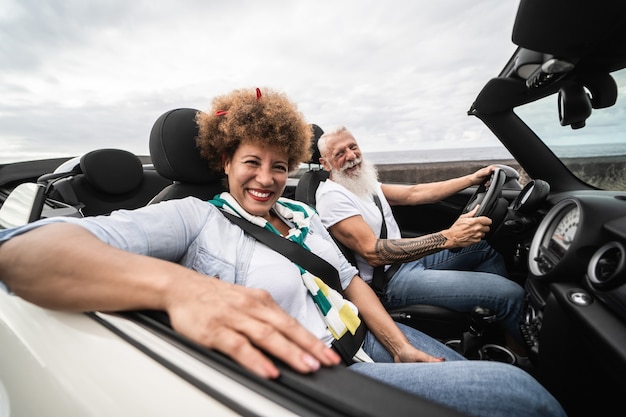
pixel 460 280
pixel 477 388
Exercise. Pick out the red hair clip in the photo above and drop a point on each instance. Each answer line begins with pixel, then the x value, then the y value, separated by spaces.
pixel 258 93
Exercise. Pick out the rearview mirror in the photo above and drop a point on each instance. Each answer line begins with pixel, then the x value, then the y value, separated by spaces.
pixel 574 106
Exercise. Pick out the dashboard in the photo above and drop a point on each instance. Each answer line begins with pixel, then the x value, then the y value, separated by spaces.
pixel 578 249
pixel 581 239
pixel 574 321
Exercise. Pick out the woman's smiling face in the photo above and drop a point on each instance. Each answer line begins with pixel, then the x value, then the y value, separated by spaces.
pixel 257 176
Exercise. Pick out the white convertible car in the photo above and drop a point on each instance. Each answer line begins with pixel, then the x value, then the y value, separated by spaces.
pixel 559 221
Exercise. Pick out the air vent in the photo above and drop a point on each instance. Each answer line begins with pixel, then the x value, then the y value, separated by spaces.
pixel 606 268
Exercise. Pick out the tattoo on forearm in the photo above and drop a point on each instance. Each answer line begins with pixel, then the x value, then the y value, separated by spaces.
pixel 403 250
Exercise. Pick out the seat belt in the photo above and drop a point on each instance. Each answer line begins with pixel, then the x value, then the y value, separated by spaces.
pixel 380 277
pixel 348 345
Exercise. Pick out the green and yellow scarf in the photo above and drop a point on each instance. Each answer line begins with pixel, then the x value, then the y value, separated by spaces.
pixel 338 314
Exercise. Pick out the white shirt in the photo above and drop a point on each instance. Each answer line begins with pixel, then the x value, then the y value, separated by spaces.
pixel 336 203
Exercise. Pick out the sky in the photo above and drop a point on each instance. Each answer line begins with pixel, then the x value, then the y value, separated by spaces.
pixel 77 75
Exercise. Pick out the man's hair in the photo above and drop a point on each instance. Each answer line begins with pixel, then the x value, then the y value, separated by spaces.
pixel 321 142
pixel 260 117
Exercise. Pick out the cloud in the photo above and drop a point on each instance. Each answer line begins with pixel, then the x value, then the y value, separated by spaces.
pixel 78 75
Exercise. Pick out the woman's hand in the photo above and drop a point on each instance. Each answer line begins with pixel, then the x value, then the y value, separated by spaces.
pixel 382 325
pixel 409 354
pixel 243 323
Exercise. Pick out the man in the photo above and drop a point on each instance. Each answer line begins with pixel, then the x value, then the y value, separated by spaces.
pixel 452 268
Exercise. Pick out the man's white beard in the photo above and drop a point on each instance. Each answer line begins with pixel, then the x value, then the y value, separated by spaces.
pixel 363 183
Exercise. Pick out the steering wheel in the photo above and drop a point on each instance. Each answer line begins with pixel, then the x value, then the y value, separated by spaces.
pixel 488 196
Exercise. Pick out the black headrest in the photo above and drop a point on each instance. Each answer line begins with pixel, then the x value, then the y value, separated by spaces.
pixel 173 148
pixel 113 171
pixel 317 133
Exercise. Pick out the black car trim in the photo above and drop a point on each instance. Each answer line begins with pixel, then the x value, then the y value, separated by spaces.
pixel 328 392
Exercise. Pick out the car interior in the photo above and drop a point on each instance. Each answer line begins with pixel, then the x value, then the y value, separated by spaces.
pixel 451 327
pixel 86 187
pixel 104 180
pixel 562 238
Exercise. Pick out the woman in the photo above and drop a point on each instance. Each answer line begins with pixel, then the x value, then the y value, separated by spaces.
pixel 256 139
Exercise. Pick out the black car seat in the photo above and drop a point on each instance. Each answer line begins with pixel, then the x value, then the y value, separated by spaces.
pixel 439 322
pixel 105 180
pixel 310 180
pixel 175 156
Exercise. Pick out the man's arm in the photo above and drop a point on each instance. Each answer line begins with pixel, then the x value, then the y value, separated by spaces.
pixel 357 235
pixel 382 325
pixel 64 266
pixel 409 195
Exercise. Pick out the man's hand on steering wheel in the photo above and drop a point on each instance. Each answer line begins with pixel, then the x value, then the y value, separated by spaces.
pixel 488 192
pixel 487 200
pixel 467 230
pixel 482 174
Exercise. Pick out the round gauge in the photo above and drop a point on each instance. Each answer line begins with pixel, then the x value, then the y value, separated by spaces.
pixel 554 238
pixel 566 228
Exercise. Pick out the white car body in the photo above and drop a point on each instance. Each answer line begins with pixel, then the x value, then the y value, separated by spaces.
pixel 67 364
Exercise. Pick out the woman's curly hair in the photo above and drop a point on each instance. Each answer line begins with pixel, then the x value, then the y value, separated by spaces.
pixel 261 116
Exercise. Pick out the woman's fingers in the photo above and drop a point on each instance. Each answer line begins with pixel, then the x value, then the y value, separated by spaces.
pixel 244 323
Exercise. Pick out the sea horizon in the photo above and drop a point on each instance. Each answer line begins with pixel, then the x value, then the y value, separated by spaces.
pixel 435 155
pixel 486 153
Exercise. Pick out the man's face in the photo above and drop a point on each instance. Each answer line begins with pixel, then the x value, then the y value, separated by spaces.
pixel 343 154
pixel 347 166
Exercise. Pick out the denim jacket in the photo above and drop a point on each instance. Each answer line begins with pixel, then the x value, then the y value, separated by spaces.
pixel 189 231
